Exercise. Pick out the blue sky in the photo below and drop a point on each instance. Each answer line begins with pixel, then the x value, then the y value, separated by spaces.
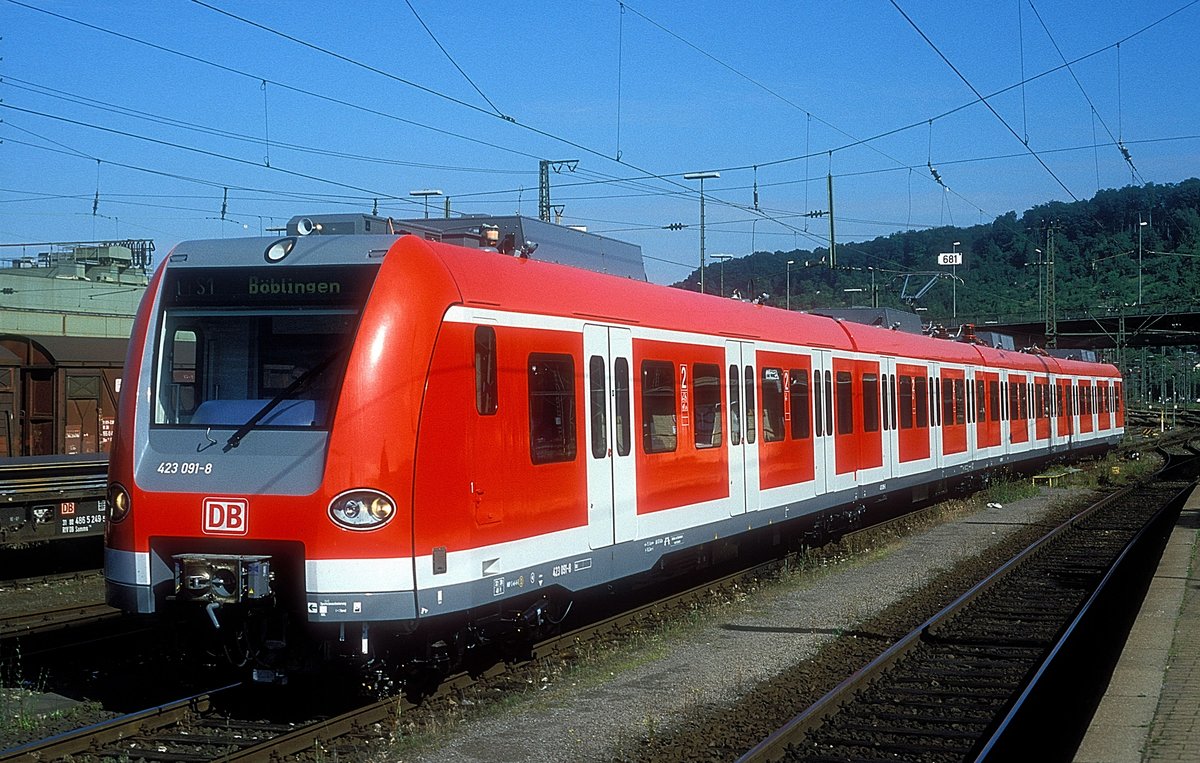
pixel 380 110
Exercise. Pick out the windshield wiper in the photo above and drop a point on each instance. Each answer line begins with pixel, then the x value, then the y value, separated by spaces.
pixel 298 385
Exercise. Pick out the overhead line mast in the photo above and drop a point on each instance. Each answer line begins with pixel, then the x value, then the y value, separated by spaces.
pixel 544 167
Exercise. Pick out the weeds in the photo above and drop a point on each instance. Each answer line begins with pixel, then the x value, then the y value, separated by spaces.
pixel 1008 489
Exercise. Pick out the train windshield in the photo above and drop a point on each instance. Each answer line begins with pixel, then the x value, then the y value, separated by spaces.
pixel 247 348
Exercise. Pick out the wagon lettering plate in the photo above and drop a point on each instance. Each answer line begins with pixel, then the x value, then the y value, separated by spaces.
pixel 226 516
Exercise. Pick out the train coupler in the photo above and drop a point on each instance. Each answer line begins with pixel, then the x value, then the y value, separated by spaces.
pixel 222 578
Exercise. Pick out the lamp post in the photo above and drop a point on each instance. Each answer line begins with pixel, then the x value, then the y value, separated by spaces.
pixel 1038 263
pixel 722 258
pixel 425 193
pixel 1140 226
pixel 788 300
pixel 701 176
pixel 954 283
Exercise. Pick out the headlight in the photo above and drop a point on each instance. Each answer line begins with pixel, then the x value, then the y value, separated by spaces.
pixel 118 503
pixel 361 509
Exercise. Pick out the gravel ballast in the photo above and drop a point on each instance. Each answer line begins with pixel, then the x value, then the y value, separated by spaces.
pixel 649 703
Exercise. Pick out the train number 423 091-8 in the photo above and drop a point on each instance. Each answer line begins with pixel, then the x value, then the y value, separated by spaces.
pixel 184 467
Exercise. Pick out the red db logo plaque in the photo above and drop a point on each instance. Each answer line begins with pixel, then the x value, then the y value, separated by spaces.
pixel 226 516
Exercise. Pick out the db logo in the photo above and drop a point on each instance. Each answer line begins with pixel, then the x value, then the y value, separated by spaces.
pixel 225 516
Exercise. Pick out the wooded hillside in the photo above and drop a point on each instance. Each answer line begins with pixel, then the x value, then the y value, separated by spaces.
pixel 1095 246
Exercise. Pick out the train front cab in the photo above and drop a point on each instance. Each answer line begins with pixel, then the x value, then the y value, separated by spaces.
pixel 268 428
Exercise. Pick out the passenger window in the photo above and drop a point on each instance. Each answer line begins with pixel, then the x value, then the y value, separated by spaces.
pixel 486 397
pixel 772 405
pixel 659 434
pixel 707 404
pixel 828 402
pixel 800 403
pixel 960 403
pixel 844 397
pixel 750 427
pixel 888 403
pixel 818 404
pixel 892 384
pixel 551 408
pixel 935 410
pixel 947 400
pixel 906 402
pixel 921 396
pixel 622 421
pixel 870 403
pixel 735 406
pixel 598 406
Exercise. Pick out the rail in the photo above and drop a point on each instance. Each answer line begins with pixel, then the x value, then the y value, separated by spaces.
pixel 1012 733
pixel 91 739
pixel 45 621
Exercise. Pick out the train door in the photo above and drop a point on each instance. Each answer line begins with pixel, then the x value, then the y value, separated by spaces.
pixel 891 441
pixel 824 455
pixel 843 442
pixel 785 453
pixel 1119 403
pixel 1062 401
pixel 934 393
pixel 989 413
pixel 1103 399
pixel 110 380
pixel 83 413
pixel 969 411
pixel 954 416
pixel 1018 424
pixel 38 416
pixel 611 477
pixel 9 444
pixel 913 424
pixel 1084 393
pixel 742 394
pixel 1041 410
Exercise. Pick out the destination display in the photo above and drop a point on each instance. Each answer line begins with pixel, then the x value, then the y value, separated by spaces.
pixel 315 285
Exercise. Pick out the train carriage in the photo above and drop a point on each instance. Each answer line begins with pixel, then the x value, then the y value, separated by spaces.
pixel 58 408
pixel 416 440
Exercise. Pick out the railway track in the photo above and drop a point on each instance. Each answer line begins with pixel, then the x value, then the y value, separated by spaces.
pixel 984 676
pixel 49 579
pixel 16 626
pixel 119 737
pixel 195 728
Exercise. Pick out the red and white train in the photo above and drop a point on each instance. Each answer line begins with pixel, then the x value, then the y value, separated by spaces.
pixel 381 442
